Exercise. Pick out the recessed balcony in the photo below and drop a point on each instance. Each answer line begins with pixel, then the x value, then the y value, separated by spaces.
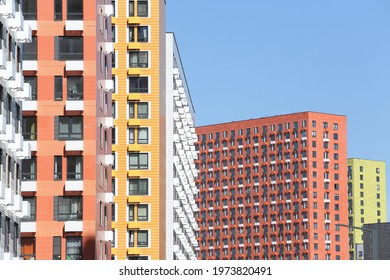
pixel 29 105
pixel 33 145
pixel 32 23
pixel 74 186
pixel 73 226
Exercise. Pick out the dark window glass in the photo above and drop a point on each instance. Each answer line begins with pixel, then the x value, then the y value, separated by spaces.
pixel 75 88
pixel 73 248
pixel 131 8
pixel 57 167
pixel 143 110
pixel 142 34
pixel 57 9
pixel 29 169
pixel 131 33
pixel 57 247
pixel 74 10
pixel 138 187
pixel 30 49
pixel 74 168
pixel 30 128
pixel 138 161
pixel 70 208
pixel 142 8
pixel 70 128
pixel 33 205
pixel 58 88
pixel 138 84
pixel 30 9
pixel 138 59
pixel 69 48
pixel 33 81
pixel 142 238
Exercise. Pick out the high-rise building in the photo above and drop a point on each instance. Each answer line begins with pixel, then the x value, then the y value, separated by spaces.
pixel 367 199
pixel 181 243
pixel 274 188
pixel 139 137
pixel 13 33
pixel 376 241
pixel 67 122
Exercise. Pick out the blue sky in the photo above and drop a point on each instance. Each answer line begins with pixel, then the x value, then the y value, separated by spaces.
pixel 256 58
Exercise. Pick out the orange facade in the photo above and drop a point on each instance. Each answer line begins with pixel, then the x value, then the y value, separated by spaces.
pixel 274 188
pixel 68 127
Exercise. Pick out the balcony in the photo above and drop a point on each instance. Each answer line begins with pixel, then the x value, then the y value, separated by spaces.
pixel 107 10
pixel 108 160
pixel 9 197
pixel 74 186
pixel 17 145
pixel 17 84
pixel 33 145
pixel 107 85
pixel 74 65
pixel 74 25
pixel 108 47
pixel 25 210
pixel 24 36
pixel 74 105
pixel 26 152
pixel 30 65
pixel 16 22
pixel 73 226
pixel 107 197
pixel 26 227
pixel 29 105
pixel 71 146
pixel 29 186
pixel 9 134
pixel 7 9
pixel 106 235
pixel 9 71
pixel 25 93
pixel 108 122
pixel 33 24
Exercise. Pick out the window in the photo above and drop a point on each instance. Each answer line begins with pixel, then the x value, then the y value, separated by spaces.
pixel 29 169
pixel 57 247
pixel 142 8
pixel 75 88
pixel 131 110
pixel 142 238
pixel 30 49
pixel 30 9
pixel 131 212
pixel 74 10
pixel 131 33
pixel 138 187
pixel 143 110
pixel 113 35
pixel 138 59
pixel 69 48
pixel 143 34
pixel 138 84
pixel 69 208
pixel 58 88
pixel 29 129
pixel 73 248
pixel 143 135
pixel 138 161
pixel 32 80
pixel 57 167
pixel 57 9
pixel 74 168
pixel 143 210
pixel 131 8
pixel 70 128
pixel 131 135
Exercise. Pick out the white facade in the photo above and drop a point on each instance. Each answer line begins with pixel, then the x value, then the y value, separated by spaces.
pixel 13 32
pixel 181 243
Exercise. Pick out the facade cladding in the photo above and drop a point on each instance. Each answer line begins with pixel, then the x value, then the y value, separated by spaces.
pixel 367 199
pixel 382 231
pixel 14 32
pixel 274 188
pixel 139 138
pixel 181 243
pixel 67 122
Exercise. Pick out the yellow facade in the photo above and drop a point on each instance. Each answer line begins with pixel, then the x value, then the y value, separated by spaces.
pixel 367 197
pixel 154 21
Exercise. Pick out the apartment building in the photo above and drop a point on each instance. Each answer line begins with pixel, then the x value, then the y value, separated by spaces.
pixel 139 136
pixel 13 33
pixel 367 199
pixel 67 122
pixel 274 188
pixel 181 243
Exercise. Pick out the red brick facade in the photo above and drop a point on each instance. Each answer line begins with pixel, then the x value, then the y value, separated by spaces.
pixel 274 188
